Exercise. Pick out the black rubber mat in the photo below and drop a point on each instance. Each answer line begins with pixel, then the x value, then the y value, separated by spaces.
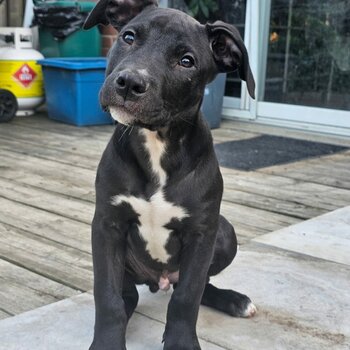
pixel 266 150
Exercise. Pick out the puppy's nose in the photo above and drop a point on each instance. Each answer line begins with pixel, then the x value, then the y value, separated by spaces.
pixel 130 85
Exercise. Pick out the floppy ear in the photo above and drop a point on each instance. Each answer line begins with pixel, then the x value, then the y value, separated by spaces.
pixel 116 12
pixel 229 52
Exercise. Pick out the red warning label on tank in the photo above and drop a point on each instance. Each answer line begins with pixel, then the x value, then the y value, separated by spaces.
pixel 25 75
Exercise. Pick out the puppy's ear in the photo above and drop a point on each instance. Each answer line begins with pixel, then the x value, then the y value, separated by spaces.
pixel 116 12
pixel 229 52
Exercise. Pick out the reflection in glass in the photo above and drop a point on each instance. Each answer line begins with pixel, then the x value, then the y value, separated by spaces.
pixel 308 60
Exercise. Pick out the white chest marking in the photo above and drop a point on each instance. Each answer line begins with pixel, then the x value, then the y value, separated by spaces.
pixel 153 216
pixel 156 212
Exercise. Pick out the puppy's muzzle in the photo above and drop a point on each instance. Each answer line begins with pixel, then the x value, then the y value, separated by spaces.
pixel 130 85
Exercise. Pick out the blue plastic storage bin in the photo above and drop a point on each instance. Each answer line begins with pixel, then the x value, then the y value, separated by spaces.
pixel 72 86
pixel 213 99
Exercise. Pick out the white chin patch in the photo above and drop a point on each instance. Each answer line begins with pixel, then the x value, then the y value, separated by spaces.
pixel 121 116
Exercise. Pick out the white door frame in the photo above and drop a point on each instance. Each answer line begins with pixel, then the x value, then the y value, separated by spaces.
pixel 301 117
pixel 245 107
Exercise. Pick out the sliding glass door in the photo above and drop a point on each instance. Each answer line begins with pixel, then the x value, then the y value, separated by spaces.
pixel 306 54
pixel 300 55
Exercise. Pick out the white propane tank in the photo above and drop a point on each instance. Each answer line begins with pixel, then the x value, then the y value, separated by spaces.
pixel 19 72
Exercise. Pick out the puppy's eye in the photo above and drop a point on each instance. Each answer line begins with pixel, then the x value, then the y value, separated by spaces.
pixel 187 61
pixel 129 37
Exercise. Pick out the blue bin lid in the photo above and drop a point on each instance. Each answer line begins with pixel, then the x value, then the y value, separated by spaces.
pixel 75 63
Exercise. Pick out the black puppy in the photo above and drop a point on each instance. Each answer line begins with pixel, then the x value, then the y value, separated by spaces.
pixel 158 186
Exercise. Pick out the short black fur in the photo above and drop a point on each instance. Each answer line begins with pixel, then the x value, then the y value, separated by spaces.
pixel 156 98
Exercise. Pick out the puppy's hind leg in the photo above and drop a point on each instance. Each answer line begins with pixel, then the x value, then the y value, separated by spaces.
pixel 225 300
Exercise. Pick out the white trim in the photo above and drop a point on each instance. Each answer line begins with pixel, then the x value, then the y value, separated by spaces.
pixel 231 102
pixel 304 114
pixel 244 103
pixel 315 128
pixel 231 113
pixel 245 107
pixel 263 42
pixel 253 48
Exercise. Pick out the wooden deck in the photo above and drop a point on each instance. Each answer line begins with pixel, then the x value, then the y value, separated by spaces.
pixel 47 172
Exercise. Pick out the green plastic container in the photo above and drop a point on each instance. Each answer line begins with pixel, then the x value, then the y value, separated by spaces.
pixel 82 43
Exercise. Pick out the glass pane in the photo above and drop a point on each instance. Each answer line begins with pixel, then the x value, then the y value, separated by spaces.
pixel 308 60
pixel 233 12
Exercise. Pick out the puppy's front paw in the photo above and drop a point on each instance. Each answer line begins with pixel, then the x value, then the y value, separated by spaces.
pixel 250 310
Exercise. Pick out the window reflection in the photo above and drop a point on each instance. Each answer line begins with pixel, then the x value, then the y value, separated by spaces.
pixel 308 59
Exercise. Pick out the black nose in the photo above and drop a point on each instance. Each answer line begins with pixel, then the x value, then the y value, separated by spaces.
pixel 130 85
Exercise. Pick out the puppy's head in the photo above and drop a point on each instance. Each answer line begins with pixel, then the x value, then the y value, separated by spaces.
pixel 162 60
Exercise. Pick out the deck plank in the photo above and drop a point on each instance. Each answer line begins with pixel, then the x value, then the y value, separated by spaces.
pixel 330 170
pixel 90 147
pixel 57 155
pixel 41 121
pixel 45 224
pixel 271 204
pixel 58 139
pixel 22 290
pixel 56 203
pixel 47 174
pixel 59 262
pixel 259 221
pixel 31 130
pixel 276 186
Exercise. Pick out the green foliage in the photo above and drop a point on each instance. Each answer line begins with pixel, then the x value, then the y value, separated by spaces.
pixel 317 71
pixel 203 8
